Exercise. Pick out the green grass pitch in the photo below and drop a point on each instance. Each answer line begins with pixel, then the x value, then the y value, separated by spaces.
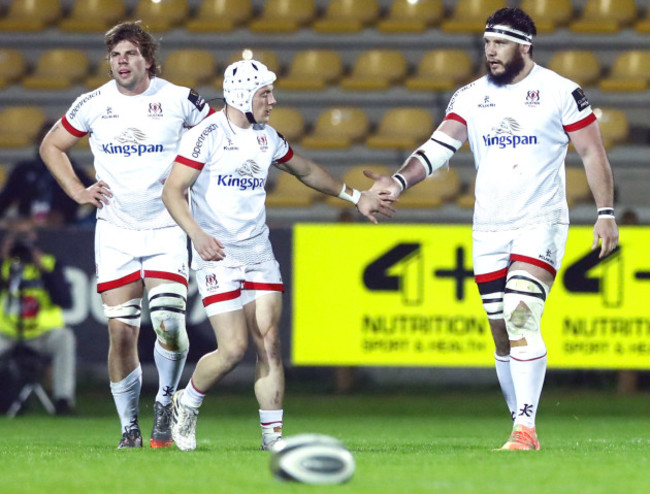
pixel 422 442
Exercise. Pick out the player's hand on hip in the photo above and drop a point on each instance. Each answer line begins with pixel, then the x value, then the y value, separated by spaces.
pixel 97 194
pixel 605 231
pixel 383 183
pixel 208 247
pixel 372 202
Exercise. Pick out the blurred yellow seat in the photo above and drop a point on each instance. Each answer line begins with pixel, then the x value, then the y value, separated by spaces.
pixel 407 16
pixel 347 16
pixel 614 126
pixel 93 15
pixel 443 186
pixel 220 16
pixel 355 178
pixel 283 16
pixel 12 66
pixel 577 187
pixel 161 16
pixel 338 128
pixel 376 70
pixel 99 76
pixel 312 70
pixel 288 191
pixel 402 128
pixel 189 68
pixel 58 68
pixel 267 57
pixel 469 16
pixel 630 72
pixel 605 16
pixel 31 15
pixel 548 14
pixel 443 69
pixel 581 66
pixel 19 125
pixel 288 122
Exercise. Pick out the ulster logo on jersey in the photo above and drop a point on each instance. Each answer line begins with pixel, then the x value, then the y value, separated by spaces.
pixel 264 145
pixel 155 110
pixel 532 97
pixel 506 135
pixel 211 282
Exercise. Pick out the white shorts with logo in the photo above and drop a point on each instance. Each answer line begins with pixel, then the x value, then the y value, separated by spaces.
pixel 123 256
pixel 542 245
pixel 225 289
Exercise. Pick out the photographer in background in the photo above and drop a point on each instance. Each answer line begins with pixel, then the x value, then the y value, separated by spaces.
pixel 33 294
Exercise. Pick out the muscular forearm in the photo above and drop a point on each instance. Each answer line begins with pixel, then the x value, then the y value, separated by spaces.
pixel 61 168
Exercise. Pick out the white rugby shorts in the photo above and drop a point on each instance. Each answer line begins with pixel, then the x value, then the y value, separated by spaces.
pixel 225 288
pixel 123 256
pixel 542 245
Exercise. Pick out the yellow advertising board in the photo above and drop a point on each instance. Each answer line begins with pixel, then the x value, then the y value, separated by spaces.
pixel 404 295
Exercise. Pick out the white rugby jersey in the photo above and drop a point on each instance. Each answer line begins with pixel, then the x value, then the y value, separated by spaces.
pixel 227 199
pixel 518 135
pixel 134 140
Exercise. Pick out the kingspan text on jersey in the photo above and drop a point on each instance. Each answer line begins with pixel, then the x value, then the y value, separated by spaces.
pixel 241 183
pixel 504 141
pixel 129 149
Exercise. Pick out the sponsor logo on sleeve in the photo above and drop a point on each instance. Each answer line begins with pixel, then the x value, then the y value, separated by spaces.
pixel 581 98
pixel 196 100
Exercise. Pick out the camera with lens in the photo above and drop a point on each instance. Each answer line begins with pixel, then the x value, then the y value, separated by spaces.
pixel 21 250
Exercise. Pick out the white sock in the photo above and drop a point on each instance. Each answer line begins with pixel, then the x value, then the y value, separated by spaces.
pixel 502 365
pixel 192 397
pixel 126 395
pixel 170 365
pixel 271 423
pixel 528 377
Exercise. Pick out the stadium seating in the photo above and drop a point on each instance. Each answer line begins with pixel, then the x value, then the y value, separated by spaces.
pixel 442 69
pixel 376 69
pixel 466 199
pixel 338 128
pixel 288 191
pixel 312 70
pixel 284 16
pixel 190 68
pixel 605 16
pixel 614 126
pixel 443 186
pixel 347 16
pixel 577 187
pixel 12 66
pixel 58 68
pixel 354 177
pixel 630 72
pixel 162 16
pixel 93 15
pixel 99 76
pixel 642 26
pixel 288 122
pixel 469 16
pixel 548 14
pixel 220 16
pixel 581 66
pixel 19 125
pixel 402 128
pixel 407 16
pixel 31 15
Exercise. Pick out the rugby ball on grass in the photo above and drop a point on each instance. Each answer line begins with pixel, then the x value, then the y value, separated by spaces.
pixel 312 459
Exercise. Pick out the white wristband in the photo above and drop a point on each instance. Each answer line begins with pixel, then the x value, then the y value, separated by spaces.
pixel 606 213
pixel 354 198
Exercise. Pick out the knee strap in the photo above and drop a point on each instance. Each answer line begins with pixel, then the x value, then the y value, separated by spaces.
pixel 129 312
pixel 167 310
pixel 523 306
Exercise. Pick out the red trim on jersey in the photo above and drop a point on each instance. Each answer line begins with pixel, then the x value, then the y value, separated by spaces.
pixel 528 359
pixel 165 275
pixel 210 112
pixel 534 262
pixel 271 287
pixel 581 124
pixel 221 297
pixel 191 163
pixel 124 280
pixel 68 126
pixel 495 275
pixel 286 157
pixel 457 117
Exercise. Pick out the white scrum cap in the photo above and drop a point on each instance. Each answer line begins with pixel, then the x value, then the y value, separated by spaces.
pixel 241 81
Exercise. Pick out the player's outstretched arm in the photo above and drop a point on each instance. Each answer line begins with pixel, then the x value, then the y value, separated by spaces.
pixel 179 181
pixel 369 203
pixel 53 151
pixel 589 145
